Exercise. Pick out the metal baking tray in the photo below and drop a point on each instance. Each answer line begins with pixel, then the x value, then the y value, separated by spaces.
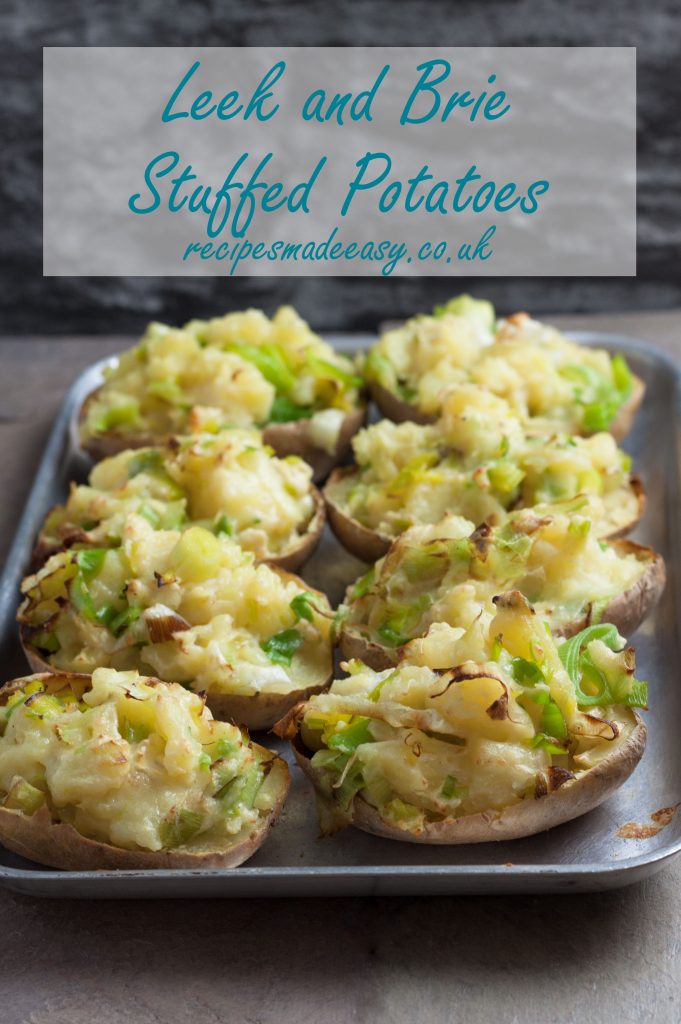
pixel 584 855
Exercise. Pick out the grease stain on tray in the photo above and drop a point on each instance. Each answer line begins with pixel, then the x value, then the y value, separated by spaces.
pixel 659 820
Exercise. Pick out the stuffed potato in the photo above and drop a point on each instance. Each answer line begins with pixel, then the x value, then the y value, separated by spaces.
pixel 451 573
pixel 242 370
pixel 187 607
pixel 230 483
pixel 478 462
pixel 483 734
pixel 552 383
pixel 120 771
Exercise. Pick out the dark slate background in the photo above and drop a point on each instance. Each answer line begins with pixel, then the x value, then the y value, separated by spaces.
pixel 30 303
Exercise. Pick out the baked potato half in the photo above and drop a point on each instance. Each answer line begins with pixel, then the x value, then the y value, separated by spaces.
pixel 553 384
pixel 484 734
pixel 242 370
pixel 477 461
pixel 118 771
pixel 451 572
pixel 230 483
pixel 190 607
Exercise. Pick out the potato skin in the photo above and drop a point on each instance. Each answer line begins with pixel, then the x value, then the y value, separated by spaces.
pixel 293 439
pixel 369 545
pixel 286 439
pixel 258 711
pixel 626 612
pixel 355 646
pixel 37 664
pixel 42 839
pixel 299 552
pixel 638 488
pixel 526 818
pixel 399 411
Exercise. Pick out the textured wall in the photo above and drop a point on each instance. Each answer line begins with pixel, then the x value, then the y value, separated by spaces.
pixel 31 303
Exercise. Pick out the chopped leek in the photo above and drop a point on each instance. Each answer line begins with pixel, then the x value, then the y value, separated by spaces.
pixel 302 606
pixel 120 622
pixel 271 362
pixel 222 525
pixel 602 690
pixel 453 790
pixel 90 562
pixel 552 721
pixel 363 584
pixel 323 368
pixel 146 461
pixel 180 828
pixel 526 672
pixel 285 411
pixel 281 647
pixel 351 736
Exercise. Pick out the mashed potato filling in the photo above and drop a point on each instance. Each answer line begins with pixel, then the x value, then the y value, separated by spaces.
pixel 419 359
pixel 190 607
pixel 553 382
pixel 131 762
pixel 230 483
pixel 516 718
pixel 154 387
pixel 477 461
pixel 451 572
pixel 242 369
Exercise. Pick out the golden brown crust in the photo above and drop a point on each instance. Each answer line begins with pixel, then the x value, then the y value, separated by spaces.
pixel 526 818
pixel 399 411
pixel 41 838
pixel 45 547
pixel 367 544
pixel 293 439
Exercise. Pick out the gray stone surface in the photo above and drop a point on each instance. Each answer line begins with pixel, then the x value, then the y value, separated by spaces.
pixel 29 303
pixel 612 957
